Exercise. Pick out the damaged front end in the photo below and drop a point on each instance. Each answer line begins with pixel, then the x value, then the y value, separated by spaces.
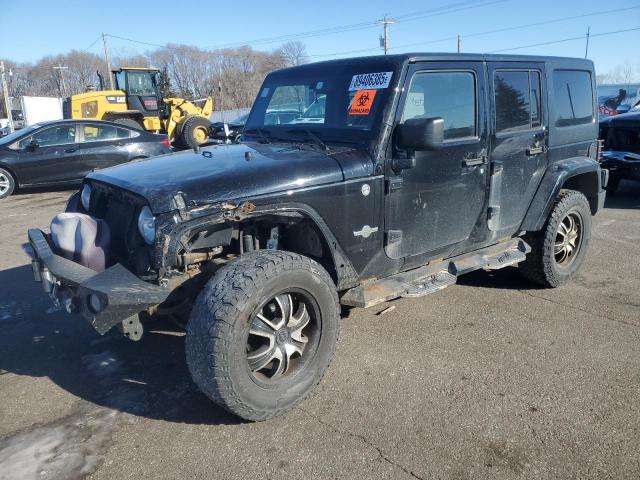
pixel 95 262
pixel 107 298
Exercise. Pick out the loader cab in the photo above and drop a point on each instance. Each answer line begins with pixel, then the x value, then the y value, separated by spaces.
pixel 141 88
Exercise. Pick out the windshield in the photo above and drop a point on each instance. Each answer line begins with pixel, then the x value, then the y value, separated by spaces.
pixel 340 104
pixel 141 83
pixel 12 137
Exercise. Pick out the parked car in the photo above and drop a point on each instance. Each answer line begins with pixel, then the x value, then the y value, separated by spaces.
pixel 615 99
pixel 64 151
pixel 232 132
pixel 424 167
pixel 621 155
pixel 234 128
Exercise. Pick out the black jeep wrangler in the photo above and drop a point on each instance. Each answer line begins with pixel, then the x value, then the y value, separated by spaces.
pixel 396 175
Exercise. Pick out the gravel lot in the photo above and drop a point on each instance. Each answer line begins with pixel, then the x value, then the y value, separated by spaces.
pixel 492 378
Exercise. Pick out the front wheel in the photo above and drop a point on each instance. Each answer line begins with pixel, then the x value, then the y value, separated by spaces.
pixel 7 183
pixel 558 250
pixel 262 333
pixel 194 131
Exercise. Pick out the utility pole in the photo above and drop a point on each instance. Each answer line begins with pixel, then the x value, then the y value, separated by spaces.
pixel 458 43
pixel 63 84
pixel 586 49
pixel 386 21
pixel 106 57
pixel 5 95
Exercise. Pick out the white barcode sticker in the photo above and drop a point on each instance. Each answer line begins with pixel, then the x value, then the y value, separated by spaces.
pixel 370 81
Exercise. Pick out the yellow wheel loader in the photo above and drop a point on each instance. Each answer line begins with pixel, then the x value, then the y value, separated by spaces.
pixel 136 102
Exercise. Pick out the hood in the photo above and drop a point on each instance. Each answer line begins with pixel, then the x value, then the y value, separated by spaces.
pixel 230 172
pixel 631 119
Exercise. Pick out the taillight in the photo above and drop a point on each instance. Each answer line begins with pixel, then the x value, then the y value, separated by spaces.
pixel 165 141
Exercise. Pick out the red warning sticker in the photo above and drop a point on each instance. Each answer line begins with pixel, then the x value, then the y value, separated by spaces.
pixel 362 102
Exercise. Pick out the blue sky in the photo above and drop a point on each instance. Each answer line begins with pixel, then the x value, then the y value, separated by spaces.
pixel 34 28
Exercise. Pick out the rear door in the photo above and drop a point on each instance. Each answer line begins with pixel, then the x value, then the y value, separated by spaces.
pixel 105 145
pixel 437 204
pixel 519 143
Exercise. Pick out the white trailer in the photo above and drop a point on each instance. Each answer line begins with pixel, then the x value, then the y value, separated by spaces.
pixel 41 109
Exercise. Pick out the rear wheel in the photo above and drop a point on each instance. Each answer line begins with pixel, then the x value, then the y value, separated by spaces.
pixel 262 333
pixel 194 132
pixel 7 183
pixel 558 250
pixel 129 122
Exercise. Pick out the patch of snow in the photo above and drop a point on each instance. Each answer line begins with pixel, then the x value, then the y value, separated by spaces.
pixel 69 448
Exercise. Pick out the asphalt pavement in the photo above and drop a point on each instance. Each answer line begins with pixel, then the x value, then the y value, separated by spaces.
pixel 491 378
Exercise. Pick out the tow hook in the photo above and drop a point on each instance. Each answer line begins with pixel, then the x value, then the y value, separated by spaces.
pixel 131 328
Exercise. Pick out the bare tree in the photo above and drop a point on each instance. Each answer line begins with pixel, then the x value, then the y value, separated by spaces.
pixel 293 53
pixel 186 71
pixel 623 73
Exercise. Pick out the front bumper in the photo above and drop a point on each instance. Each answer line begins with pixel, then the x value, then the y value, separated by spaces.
pixel 624 165
pixel 119 293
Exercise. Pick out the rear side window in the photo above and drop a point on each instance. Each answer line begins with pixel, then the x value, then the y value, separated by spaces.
pixel 99 133
pixel 518 100
pixel 449 95
pixel 573 97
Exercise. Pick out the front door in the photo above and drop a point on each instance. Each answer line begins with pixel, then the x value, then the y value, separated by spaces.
pixel 519 144
pixel 437 203
pixel 50 155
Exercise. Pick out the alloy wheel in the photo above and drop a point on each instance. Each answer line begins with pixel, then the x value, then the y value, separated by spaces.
pixel 280 334
pixel 568 239
pixel 5 183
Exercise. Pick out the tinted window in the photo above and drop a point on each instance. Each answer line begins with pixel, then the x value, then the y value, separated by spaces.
pixel 62 135
pixel 573 97
pixel 99 133
pixel 518 100
pixel 512 101
pixel 450 95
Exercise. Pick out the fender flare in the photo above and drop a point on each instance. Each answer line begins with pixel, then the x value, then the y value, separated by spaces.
pixel 345 274
pixel 584 175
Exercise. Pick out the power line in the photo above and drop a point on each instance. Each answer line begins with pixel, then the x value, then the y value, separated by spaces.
pixel 477 34
pixel 92 44
pixel 581 37
pixel 364 25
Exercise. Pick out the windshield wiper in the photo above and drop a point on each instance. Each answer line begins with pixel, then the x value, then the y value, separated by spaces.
pixel 312 136
pixel 260 132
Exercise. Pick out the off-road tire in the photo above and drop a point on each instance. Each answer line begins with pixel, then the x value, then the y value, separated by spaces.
pixel 8 183
pixel 540 265
pixel 613 184
pixel 187 137
pixel 216 347
pixel 129 122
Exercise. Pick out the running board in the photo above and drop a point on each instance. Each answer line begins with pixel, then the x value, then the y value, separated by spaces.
pixel 436 275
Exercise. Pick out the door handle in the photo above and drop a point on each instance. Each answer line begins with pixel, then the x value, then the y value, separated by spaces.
pixel 531 151
pixel 70 150
pixel 474 162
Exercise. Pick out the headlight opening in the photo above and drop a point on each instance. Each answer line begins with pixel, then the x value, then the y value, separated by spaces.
pixel 147 225
pixel 85 197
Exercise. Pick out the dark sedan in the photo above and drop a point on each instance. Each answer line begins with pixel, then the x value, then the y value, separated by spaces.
pixel 63 152
pixel 621 156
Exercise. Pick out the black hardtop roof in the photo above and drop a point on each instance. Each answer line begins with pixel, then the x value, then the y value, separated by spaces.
pixel 399 59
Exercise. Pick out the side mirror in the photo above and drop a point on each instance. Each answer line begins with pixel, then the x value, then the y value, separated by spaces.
pixel 421 134
pixel 32 145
